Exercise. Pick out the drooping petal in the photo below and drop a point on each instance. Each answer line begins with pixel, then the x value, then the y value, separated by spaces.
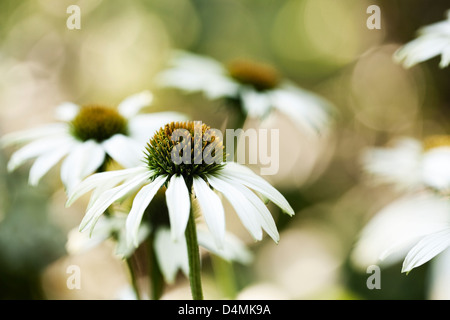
pixel 212 210
pixel 35 149
pixel 134 103
pixel 100 179
pixel 140 203
pixel 247 177
pixel 83 160
pixel 194 73
pixel 257 104
pixel 46 161
pixel 232 250
pixel 109 197
pixel 244 209
pixel 266 219
pixel 426 249
pixel 179 205
pixel 19 137
pixel 304 108
pixel 171 255
pixel 126 151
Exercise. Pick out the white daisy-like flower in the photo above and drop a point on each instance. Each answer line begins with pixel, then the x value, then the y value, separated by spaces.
pixel 258 87
pixel 412 164
pixel 194 178
pixel 433 40
pixel 86 137
pixel 171 255
pixel 415 227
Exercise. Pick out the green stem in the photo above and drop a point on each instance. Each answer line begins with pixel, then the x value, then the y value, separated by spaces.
pixel 194 259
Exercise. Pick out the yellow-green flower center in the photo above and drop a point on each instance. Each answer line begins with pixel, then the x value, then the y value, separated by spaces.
pixel 191 149
pixel 98 123
pixel 258 75
pixel 436 141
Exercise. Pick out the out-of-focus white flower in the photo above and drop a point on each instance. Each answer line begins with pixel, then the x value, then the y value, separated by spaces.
pixel 233 180
pixel 415 227
pixel 85 137
pixel 412 164
pixel 258 87
pixel 433 40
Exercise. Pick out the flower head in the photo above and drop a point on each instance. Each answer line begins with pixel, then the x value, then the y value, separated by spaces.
pixel 258 87
pixel 86 137
pixel 432 41
pixel 192 179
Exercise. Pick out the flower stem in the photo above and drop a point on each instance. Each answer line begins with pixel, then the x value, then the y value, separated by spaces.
pixel 194 259
pixel 156 277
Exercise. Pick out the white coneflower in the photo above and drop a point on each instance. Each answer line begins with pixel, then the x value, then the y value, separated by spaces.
pixel 418 224
pixel 412 164
pixel 432 41
pixel 86 137
pixel 195 177
pixel 233 180
pixel 258 87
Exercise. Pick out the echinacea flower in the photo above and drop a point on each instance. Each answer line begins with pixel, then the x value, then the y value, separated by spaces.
pixel 415 227
pixel 258 87
pixel 86 137
pixel 412 164
pixel 433 40
pixel 195 177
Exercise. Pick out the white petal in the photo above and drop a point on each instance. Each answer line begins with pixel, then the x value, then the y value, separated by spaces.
pixel 124 248
pixel 133 104
pixel 233 249
pixel 244 209
pixel 171 255
pixel 140 203
pixel 46 161
pixel 398 164
pixel 436 168
pixel 390 234
pixel 247 177
pixel 266 219
pixel 304 108
pixel 67 111
pixel 100 179
pixel 212 210
pixel 109 197
pixel 427 249
pixel 179 205
pixel 127 152
pixel 420 49
pixel 256 104
pixel 83 160
pixel 191 73
pixel 143 126
pixel 19 137
pixel 35 149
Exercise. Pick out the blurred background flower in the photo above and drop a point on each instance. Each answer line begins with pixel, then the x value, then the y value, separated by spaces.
pixel 322 46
